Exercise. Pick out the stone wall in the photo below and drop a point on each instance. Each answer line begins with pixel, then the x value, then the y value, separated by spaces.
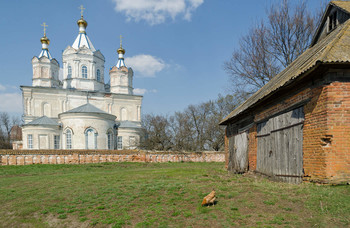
pixel 29 157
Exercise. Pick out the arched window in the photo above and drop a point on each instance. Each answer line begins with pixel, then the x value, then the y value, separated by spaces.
pixel 46 109
pixel 84 72
pixel 69 75
pixel 90 139
pixel 110 141
pixel 68 139
pixel 123 114
pixel 98 75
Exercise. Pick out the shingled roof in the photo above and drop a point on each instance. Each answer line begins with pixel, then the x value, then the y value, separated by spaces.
pixel 334 48
pixel 342 4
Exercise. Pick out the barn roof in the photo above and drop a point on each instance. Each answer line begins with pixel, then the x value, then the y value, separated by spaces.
pixel 342 4
pixel 334 48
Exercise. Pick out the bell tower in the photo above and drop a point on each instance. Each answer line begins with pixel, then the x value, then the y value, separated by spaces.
pixel 45 68
pixel 121 76
pixel 83 65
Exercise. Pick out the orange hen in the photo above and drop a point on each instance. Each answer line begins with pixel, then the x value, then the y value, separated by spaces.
pixel 209 199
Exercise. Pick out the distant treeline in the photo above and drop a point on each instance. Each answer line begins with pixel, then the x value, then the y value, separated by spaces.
pixel 195 129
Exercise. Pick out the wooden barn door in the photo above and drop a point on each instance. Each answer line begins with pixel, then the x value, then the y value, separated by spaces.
pixel 238 153
pixel 280 146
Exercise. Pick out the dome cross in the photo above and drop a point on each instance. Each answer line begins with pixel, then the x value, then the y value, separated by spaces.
pixel 44 25
pixel 81 10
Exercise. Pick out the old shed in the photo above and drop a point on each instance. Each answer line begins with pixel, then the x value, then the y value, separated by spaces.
pixel 297 127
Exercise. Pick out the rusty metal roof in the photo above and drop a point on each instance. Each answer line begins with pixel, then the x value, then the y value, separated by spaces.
pixel 334 48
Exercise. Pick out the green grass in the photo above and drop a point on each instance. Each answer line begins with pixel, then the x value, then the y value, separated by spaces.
pixel 161 195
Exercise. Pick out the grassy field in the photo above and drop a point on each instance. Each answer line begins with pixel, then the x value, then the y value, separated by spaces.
pixel 161 195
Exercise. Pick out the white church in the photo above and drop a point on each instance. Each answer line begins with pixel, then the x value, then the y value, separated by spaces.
pixel 80 111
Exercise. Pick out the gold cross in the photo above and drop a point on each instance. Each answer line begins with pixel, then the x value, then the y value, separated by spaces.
pixel 81 9
pixel 121 40
pixel 44 25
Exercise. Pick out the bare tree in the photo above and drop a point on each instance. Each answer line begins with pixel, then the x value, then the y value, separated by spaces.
pixel 290 31
pixel 270 46
pixel 195 129
pixel 157 135
pixel 251 65
pixel 6 124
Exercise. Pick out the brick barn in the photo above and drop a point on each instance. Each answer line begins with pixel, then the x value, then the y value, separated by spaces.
pixel 297 127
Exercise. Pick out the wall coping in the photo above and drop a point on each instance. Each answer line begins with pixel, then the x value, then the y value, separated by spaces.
pixel 116 152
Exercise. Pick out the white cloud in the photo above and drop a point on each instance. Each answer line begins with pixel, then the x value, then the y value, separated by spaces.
pixel 156 11
pixel 140 91
pixel 146 65
pixel 10 102
pixel 2 88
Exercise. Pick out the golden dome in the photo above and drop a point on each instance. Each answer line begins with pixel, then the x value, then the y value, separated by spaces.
pixel 81 21
pixel 121 50
pixel 45 40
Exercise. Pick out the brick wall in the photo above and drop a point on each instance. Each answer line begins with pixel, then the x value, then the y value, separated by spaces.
pixel 336 141
pixel 28 157
pixel 315 128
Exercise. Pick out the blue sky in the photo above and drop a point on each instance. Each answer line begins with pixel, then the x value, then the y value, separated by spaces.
pixel 176 47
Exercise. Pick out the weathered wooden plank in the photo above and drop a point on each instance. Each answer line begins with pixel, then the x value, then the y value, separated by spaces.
pixel 238 153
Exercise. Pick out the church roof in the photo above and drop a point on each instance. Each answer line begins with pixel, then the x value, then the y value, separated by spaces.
pixel 334 48
pixel 44 120
pixel 83 40
pixel 45 52
pixel 86 108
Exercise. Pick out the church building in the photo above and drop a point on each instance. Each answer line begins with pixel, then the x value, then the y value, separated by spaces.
pixel 80 111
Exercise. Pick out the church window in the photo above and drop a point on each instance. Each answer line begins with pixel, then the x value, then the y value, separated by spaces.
pixel 69 72
pixel 56 140
pixel 98 75
pixel 120 142
pixel 84 72
pixel 123 114
pixel 132 142
pixel 30 141
pixel 46 109
pixel 110 140
pixel 90 139
pixel 68 139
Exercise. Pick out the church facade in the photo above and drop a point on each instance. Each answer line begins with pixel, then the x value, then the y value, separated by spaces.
pixel 80 111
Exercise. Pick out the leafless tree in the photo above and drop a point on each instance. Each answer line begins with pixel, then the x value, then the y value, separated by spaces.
pixel 6 124
pixel 290 31
pixel 251 65
pixel 271 46
pixel 157 133
pixel 195 129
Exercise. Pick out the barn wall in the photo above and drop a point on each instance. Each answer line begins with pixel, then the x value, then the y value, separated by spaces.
pixel 315 128
pixel 226 147
pixel 252 148
pixel 336 142
pixel 326 132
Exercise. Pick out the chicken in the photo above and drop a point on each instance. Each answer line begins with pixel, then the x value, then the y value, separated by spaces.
pixel 209 199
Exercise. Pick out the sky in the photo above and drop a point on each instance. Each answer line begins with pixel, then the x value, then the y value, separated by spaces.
pixel 176 48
